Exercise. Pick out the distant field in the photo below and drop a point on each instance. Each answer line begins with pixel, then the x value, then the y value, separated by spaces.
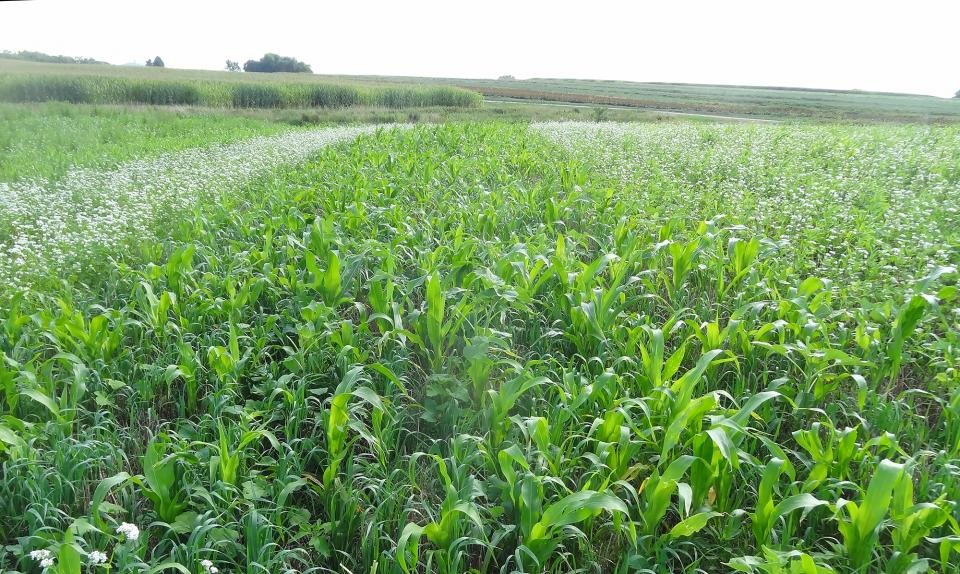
pixel 102 84
pixel 751 101
pixel 30 81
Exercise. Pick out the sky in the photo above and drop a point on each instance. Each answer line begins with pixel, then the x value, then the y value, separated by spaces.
pixel 906 46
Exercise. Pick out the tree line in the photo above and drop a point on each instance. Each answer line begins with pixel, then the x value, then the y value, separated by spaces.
pixel 271 63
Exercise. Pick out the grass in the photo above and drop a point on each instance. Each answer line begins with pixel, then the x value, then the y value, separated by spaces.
pixel 98 84
pixel 229 89
pixel 513 113
pixel 493 347
pixel 748 101
pixel 47 140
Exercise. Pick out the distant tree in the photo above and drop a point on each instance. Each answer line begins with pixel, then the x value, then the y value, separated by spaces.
pixel 41 57
pixel 233 66
pixel 149 62
pixel 156 62
pixel 957 95
pixel 507 77
pixel 275 63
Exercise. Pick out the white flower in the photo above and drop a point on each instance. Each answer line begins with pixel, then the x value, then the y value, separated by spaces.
pixel 39 554
pixel 72 223
pixel 129 531
pixel 97 557
pixel 209 567
pixel 46 563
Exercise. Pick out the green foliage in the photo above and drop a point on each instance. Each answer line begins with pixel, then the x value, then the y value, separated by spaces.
pixel 860 524
pixel 465 348
pixel 275 63
pixel 47 140
pixel 257 96
pixel 237 93
pixel 723 100
pixel 31 56
pixel 164 480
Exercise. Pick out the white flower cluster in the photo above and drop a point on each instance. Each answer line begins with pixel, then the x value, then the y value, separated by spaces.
pixel 209 567
pixel 46 560
pixel 97 557
pixel 43 557
pixel 866 206
pixel 67 224
pixel 129 531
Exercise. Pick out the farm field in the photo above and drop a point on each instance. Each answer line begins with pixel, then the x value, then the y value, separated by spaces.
pixel 22 81
pixel 480 347
pixel 747 101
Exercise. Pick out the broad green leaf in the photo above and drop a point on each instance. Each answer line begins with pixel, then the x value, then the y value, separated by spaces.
pixel 691 525
pixel 103 489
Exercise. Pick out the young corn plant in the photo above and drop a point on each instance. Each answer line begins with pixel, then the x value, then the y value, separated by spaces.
pixel 911 523
pixel 860 524
pixel 780 562
pixel 447 532
pixel 338 419
pixel 769 512
pixel 235 445
pixel 164 480
pixel 437 328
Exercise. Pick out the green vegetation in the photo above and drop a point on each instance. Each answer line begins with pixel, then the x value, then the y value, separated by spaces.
pixel 750 101
pixel 30 56
pixel 53 82
pixel 746 101
pixel 520 113
pixel 46 140
pixel 739 100
pixel 494 348
pixel 273 63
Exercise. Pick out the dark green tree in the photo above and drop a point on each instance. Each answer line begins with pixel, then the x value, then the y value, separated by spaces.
pixel 233 66
pixel 275 63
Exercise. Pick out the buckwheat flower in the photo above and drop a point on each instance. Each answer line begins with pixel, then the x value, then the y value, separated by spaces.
pixel 71 223
pixel 97 557
pixel 129 531
pixel 46 563
pixel 39 555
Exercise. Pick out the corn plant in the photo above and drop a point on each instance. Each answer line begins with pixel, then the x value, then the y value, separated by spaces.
pixel 769 512
pixel 860 524
pixel 473 347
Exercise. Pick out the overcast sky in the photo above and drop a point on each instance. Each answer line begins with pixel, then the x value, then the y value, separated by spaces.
pixel 907 46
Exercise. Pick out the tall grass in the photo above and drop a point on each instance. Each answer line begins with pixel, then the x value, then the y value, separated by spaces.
pixel 240 94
